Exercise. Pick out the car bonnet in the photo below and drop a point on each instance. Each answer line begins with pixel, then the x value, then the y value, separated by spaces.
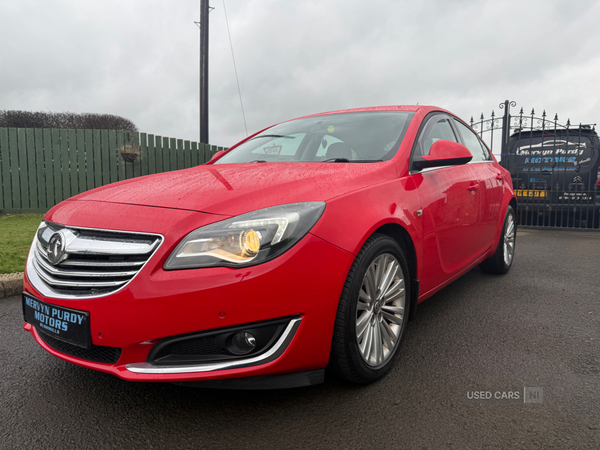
pixel 232 189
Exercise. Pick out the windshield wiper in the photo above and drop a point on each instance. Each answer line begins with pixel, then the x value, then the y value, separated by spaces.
pixel 272 136
pixel 337 160
pixel 353 161
pixel 258 161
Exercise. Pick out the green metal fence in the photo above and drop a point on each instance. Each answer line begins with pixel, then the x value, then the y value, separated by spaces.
pixel 40 167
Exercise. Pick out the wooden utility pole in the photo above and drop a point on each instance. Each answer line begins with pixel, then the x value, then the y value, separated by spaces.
pixel 204 9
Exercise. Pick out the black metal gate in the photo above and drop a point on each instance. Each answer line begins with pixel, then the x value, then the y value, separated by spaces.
pixel 554 167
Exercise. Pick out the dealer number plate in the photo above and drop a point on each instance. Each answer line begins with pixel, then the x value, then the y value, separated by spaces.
pixel 65 324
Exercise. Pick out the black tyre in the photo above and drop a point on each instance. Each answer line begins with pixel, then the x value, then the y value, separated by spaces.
pixel 501 261
pixel 372 312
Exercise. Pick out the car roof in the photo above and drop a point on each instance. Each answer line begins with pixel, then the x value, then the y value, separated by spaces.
pixel 411 108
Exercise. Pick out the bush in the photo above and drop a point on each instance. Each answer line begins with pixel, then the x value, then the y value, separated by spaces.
pixel 29 119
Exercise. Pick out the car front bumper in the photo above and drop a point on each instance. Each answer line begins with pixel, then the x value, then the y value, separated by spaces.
pixel 303 284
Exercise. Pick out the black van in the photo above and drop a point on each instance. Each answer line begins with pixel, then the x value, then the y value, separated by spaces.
pixel 556 175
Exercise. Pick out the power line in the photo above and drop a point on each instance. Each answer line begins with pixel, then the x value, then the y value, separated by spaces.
pixel 235 69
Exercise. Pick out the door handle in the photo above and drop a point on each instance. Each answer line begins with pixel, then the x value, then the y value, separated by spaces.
pixel 500 176
pixel 473 186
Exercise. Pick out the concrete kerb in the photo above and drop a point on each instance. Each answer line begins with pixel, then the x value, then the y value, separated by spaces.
pixel 11 284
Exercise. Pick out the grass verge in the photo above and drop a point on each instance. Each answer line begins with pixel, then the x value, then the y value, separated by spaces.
pixel 16 234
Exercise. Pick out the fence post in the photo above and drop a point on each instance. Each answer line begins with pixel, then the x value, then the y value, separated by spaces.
pixel 505 131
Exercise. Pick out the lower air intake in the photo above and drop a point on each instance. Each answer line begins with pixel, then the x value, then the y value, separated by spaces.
pixel 98 353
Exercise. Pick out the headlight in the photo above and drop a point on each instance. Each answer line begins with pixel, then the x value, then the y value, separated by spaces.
pixel 246 240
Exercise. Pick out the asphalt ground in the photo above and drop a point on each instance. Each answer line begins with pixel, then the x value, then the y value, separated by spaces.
pixel 537 326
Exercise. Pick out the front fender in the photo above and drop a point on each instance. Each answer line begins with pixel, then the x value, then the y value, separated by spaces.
pixel 349 220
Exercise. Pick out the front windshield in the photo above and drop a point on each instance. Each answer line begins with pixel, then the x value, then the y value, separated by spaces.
pixel 347 137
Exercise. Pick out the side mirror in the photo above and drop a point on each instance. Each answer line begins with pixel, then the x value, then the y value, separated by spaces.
pixel 443 153
pixel 216 156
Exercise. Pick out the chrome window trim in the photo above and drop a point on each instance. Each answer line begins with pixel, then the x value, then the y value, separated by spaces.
pixel 430 169
pixel 40 286
pixel 274 352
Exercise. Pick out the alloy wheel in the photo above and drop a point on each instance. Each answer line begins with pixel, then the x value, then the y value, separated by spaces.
pixel 509 240
pixel 380 310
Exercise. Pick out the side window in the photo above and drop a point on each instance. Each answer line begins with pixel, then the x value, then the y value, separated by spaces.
pixel 436 129
pixel 472 142
pixel 486 150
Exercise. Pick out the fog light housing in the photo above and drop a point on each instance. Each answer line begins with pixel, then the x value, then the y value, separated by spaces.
pixel 223 344
pixel 241 343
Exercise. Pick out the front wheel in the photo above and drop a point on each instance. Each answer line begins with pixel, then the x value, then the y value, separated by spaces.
pixel 372 312
pixel 502 259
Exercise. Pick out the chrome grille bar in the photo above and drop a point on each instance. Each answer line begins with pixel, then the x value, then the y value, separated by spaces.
pixel 80 284
pixel 79 273
pixel 93 262
pixel 87 246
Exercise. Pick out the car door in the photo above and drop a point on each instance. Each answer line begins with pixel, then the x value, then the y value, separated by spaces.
pixel 450 208
pixel 490 183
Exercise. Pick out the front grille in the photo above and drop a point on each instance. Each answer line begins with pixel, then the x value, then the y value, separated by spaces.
pixel 98 353
pixel 86 262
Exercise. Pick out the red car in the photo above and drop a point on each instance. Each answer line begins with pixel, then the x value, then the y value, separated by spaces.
pixel 307 245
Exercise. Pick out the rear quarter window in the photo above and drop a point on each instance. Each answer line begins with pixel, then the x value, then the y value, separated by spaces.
pixel 473 143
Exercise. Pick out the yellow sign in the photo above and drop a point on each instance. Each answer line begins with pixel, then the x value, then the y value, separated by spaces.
pixel 530 193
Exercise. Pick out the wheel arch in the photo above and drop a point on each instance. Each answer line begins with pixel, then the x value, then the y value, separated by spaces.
pixel 513 203
pixel 400 235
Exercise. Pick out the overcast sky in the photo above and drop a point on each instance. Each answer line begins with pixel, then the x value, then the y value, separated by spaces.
pixel 139 59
